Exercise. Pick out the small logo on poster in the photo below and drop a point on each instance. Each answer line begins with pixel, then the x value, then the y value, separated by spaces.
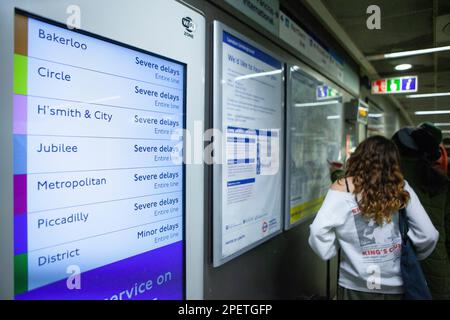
pixel 265 226
pixel 190 27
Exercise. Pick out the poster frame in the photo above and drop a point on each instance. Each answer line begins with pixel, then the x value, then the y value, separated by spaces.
pixel 290 69
pixel 218 29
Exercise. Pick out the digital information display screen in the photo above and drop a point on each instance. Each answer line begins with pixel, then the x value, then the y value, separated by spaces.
pixel 98 185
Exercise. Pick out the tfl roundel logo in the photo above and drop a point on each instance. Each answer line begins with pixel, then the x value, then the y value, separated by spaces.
pixel 188 24
pixel 265 226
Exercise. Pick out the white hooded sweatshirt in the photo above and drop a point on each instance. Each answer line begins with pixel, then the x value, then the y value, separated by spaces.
pixel 370 259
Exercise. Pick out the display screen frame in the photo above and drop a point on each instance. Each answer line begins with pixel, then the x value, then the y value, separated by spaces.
pixel 184 66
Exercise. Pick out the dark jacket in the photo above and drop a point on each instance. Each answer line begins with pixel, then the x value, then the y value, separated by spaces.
pixel 437 266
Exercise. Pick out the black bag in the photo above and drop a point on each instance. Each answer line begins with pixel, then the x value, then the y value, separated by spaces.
pixel 414 283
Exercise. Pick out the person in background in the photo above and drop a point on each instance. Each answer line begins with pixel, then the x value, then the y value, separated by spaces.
pixel 360 215
pixel 419 151
pixel 336 170
pixel 442 163
pixel 446 144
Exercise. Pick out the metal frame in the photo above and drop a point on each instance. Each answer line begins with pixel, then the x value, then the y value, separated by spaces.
pixel 218 260
pixel 344 95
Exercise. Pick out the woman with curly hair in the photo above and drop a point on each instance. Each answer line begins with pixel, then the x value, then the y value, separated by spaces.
pixel 360 215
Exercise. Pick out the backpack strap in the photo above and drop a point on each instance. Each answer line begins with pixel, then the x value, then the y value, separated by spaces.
pixel 338 268
pixel 403 224
pixel 339 250
pixel 346 184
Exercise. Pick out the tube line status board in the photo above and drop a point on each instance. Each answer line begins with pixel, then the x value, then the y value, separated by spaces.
pixel 98 185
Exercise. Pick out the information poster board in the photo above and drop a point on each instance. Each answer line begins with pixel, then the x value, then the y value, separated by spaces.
pixel 98 195
pixel 314 141
pixel 248 175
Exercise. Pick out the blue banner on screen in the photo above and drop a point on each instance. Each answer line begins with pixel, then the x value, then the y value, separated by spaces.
pixel 98 197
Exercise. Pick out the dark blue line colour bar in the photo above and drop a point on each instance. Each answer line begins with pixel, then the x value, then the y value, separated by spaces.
pixel 240 182
pixel 250 50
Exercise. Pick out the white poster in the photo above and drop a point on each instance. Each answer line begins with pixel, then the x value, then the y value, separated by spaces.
pixel 249 112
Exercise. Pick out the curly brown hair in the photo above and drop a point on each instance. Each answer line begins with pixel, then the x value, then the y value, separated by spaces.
pixel 377 178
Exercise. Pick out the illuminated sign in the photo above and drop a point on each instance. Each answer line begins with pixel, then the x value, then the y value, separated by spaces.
pixel 395 85
pixel 325 92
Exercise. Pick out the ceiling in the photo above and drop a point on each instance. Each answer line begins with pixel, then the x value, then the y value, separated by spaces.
pixel 405 25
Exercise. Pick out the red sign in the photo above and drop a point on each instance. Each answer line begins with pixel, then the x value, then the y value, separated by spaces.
pixel 379 86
